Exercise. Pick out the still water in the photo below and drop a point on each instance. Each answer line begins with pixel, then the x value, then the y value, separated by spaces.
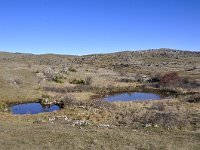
pixel 135 96
pixel 32 108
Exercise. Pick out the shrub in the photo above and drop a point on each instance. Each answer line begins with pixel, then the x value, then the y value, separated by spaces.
pixel 88 80
pixel 170 80
pixel 2 106
pixel 138 78
pixel 37 71
pixel 76 81
pixel 45 96
pixel 58 79
pixel 126 80
pixel 72 69
pixel 69 101
pixel 155 79
pixel 187 83
pixel 157 106
pixel 49 73
pixel 193 98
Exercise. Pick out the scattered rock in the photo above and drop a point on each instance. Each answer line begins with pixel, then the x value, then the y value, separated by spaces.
pixel 80 123
pixel 104 125
pixel 147 125
pixel 5 109
pixel 155 126
pixel 66 118
pixel 52 119
pixel 40 75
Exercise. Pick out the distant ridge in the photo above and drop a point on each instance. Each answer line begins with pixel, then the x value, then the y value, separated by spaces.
pixel 161 50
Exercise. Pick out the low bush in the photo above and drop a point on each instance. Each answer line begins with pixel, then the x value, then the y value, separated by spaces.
pixel 2 106
pixel 155 79
pixel 193 98
pixel 58 79
pixel 49 73
pixel 173 80
pixel 76 81
pixel 88 80
pixel 170 80
pixel 157 106
pixel 126 80
pixel 72 69
pixel 69 101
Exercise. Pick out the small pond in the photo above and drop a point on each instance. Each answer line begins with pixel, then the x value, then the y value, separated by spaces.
pixel 32 108
pixel 135 96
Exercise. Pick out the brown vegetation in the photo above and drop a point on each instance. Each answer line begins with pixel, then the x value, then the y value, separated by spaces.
pixel 171 123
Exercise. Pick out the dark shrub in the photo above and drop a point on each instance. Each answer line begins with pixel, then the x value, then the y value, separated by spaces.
pixel 126 80
pixel 72 69
pixel 157 106
pixel 193 98
pixel 88 80
pixel 76 81
pixel 2 106
pixel 155 79
pixel 170 80
pixel 58 79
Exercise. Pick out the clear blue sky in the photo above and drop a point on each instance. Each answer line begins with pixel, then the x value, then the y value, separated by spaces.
pixel 98 26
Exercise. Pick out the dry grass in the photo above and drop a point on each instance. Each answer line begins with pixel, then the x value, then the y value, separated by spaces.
pixel 54 136
pixel 177 120
pixel 168 113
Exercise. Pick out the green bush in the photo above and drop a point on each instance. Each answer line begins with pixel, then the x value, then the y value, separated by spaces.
pixel 58 79
pixel 72 69
pixel 76 81
pixel 2 106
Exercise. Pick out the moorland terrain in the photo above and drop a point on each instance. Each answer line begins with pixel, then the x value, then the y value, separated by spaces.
pixel 87 121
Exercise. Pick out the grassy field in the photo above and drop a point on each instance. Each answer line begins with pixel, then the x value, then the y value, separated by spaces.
pixel 82 82
pixel 24 135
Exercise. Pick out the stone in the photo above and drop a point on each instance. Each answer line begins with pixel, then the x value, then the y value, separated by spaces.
pixel 80 123
pixel 147 125
pixel 52 119
pixel 40 75
pixel 104 125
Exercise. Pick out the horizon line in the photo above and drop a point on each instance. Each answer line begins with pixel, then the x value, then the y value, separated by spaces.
pixel 118 51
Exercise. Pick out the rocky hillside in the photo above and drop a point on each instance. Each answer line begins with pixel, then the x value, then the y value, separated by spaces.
pixel 128 56
pixel 127 61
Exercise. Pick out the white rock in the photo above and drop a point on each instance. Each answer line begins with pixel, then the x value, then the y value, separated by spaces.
pixel 156 126
pixel 147 125
pixel 80 123
pixel 52 119
pixel 104 125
